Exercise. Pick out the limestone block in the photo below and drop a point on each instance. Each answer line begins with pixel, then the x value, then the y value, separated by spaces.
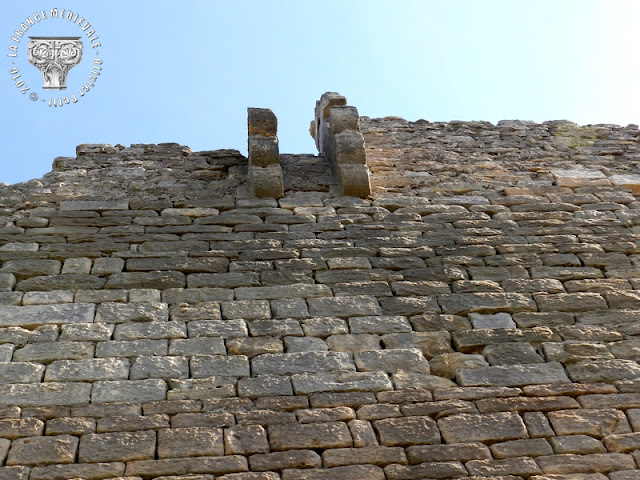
pixel 267 181
pixel 159 367
pixel 47 352
pixel 301 362
pixel 190 442
pixel 88 370
pixel 219 366
pixel 490 427
pixel 630 181
pixel 113 470
pixel 316 435
pixel 132 312
pixel 344 119
pixel 150 330
pixel 36 315
pixel 513 375
pixel 20 372
pixel 12 428
pixel 245 440
pixel 139 391
pixel 43 450
pixel 405 379
pixel 607 371
pixel 307 459
pixel 579 444
pixel 447 364
pixel 262 121
pixel 391 361
pixel 264 386
pixel 406 431
pixel 23 269
pixel 308 383
pixel 509 466
pixel 594 422
pixel 117 447
pixel 462 452
pixel 263 151
pixel 349 148
pixel 201 388
pixel 183 466
pixel 426 470
pixel 580 178
pixel 353 178
pixel 93 205
pixel 591 464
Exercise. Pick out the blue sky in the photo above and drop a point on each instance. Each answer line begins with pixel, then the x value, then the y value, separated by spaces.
pixel 187 71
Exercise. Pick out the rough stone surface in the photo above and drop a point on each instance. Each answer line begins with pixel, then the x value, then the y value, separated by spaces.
pixel 422 300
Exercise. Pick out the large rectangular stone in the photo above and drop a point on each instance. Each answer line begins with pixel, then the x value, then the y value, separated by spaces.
pixel 117 447
pixel 490 427
pixel 473 341
pixel 88 370
pixel 355 306
pixel 44 394
pixel 282 291
pixel 315 435
pixel 137 391
pixel 512 375
pixel 93 205
pixel 132 312
pixel 483 302
pixel 184 466
pixel 36 315
pixel 301 362
pixel 88 471
pixel 307 383
pixel 20 372
pixel 43 450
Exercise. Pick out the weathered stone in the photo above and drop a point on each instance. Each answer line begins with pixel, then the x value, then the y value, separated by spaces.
pixel 35 315
pixel 190 442
pixel 49 393
pixel 513 375
pixel 490 427
pixel 245 440
pixel 598 422
pixel 307 383
pixel 394 432
pixel 302 362
pixel 129 391
pixel 43 450
pixel 117 447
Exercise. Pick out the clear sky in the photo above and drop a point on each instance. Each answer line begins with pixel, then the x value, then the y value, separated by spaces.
pixel 186 71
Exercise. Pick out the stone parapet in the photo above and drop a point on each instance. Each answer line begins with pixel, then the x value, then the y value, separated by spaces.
pixel 336 130
pixel 265 172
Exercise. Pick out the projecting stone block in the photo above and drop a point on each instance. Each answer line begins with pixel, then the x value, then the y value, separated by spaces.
pixel 36 315
pixel 353 180
pixel 267 181
pixel 263 151
pixel 262 121
pixel 344 119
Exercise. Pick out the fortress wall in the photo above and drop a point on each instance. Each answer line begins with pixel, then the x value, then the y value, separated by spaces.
pixel 476 317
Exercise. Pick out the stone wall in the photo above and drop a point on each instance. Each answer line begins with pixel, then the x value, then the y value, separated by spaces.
pixel 476 317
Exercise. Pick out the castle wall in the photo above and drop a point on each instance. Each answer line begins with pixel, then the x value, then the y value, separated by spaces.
pixel 476 317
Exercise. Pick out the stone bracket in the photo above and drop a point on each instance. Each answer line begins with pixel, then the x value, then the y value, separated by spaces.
pixel 336 130
pixel 265 172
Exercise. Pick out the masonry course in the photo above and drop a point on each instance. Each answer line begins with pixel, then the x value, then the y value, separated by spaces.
pixel 470 311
